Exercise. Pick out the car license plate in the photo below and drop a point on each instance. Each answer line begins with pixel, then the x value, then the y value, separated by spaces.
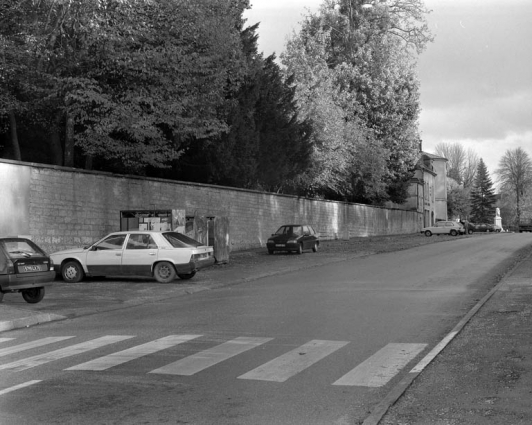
pixel 279 245
pixel 29 269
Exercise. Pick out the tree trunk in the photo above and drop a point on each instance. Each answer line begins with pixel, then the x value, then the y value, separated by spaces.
pixel 14 136
pixel 56 149
pixel 518 208
pixel 69 141
pixel 88 162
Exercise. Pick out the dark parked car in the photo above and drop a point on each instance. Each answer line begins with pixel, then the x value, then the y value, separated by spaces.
pixel 25 268
pixel 482 227
pixel 293 238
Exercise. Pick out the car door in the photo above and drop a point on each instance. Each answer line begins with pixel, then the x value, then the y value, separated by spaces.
pixel 139 255
pixel 438 228
pixel 105 257
pixel 306 237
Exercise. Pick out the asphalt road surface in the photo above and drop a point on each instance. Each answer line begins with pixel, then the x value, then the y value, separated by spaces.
pixel 317 346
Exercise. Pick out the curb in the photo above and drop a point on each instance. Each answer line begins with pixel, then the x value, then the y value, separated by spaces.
pixel 32 320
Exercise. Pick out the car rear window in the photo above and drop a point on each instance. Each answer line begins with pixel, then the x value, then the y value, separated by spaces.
pixel 20 248
pixel 178 240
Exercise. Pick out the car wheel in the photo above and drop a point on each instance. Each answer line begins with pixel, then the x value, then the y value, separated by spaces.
pixel 270 251
pixel 33 295
pixel 315 247
pixel 454 232
pixel 72 272
pixel 186 276
pixel 164 272
pixel 300 249
pixel 428 233
pixel 470 232
pixel 1 296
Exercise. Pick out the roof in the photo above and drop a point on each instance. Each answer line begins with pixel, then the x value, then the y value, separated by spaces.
pixel 432 156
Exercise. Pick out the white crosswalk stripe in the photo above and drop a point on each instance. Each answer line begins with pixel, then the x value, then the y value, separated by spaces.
pixel 63 352
pixel 197 362
pixel 19 386
pixel 124 356
pixel 32 344
pixel 380 368
pixel 295 361
pixel 376 371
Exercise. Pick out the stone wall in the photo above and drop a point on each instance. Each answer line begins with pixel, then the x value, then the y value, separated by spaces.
pixel 62 207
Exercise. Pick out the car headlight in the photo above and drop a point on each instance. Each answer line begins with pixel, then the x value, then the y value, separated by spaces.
pixel 292 241
pixel 270 241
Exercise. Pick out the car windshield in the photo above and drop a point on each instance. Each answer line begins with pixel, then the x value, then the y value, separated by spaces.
pixel 21 248
pixel 290 230
pixel 178 240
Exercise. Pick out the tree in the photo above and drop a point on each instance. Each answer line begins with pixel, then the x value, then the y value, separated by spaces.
pixel 462 164
pixel 266 145
pixel 458 202
pixel 483 197
pixel 462 169
pixel 129 83
pixel 357 72
pixel 317 100
pixel 515 176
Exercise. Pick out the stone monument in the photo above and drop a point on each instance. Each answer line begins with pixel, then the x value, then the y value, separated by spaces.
pixel 498 219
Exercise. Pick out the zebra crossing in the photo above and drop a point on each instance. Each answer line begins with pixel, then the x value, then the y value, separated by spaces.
pixel 375 371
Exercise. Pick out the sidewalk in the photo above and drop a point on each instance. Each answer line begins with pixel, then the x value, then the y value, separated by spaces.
pixel 482 377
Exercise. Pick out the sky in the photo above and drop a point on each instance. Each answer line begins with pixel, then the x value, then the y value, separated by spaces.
pixel 475 78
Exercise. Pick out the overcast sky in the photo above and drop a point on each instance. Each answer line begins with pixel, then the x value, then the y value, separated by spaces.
pixel 476 77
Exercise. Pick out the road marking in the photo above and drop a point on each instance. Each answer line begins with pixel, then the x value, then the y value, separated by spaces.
pixel 5 339
pixel 17 387
pixel 197 362
pixel 295 361
pixel 33 344
pixel 133 353
pixel 433 353
pixel 379 369
pixel 63 352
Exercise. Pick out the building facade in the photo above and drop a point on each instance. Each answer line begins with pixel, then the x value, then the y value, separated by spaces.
pixel 427 193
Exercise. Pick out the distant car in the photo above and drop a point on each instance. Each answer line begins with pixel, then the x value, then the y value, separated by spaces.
pixel 25 268
pixel 483 227
pixel 452 228
pixel 161 255
pixel 293 238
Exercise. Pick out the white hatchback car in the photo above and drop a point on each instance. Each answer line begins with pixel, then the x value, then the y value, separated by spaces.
pixel 452 228
pixel 161 255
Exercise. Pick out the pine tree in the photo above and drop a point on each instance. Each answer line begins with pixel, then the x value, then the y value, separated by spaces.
pixel 483 197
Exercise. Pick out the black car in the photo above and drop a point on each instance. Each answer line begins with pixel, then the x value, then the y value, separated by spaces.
pixel 482 227
pixel 25 268
pixel 293 238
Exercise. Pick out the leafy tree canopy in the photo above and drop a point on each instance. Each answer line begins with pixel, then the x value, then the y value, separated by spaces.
pixel 130 81
pixel 355 67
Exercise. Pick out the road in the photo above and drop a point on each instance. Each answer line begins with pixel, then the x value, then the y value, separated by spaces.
pixel 318 346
